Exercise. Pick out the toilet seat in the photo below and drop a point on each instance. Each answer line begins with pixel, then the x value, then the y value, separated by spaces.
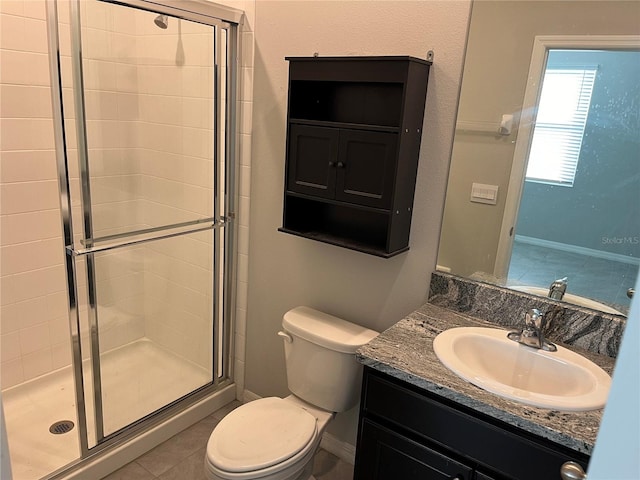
pixel 261 437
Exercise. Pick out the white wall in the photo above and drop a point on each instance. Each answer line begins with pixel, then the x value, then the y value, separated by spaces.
pixel 286 271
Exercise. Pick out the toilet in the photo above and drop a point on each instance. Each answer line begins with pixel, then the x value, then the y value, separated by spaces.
pixel 276 438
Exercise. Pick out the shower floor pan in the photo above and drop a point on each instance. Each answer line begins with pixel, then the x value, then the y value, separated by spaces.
pixel 138 378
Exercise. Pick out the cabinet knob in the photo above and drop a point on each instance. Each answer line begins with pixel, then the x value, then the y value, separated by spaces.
pixel 572 471
pixel 331 163
pixel 340 165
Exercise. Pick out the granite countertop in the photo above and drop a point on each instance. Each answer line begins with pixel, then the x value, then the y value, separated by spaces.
pixel 405 351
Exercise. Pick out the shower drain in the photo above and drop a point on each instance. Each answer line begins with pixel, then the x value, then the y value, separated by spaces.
pixel 61 427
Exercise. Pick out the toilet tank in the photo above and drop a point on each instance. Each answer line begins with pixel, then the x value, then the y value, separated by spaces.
pixel 320 358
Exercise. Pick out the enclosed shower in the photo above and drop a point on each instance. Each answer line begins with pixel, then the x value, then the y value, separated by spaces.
pixel 138 318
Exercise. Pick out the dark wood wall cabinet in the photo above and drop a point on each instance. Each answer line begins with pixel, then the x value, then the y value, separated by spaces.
pixel 409 434
pixel 354 127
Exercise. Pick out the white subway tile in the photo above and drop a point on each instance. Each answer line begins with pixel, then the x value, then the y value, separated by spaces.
pixel 127 78
pixel 28 197
pixel 37 363
pixel 26 134
pixel 245 150
pixel 101 105
pixel 12 372
pixel 246 93
pixel 16 316
pixel 12 7
pixel 243 239
pixel 243 267
pixel 12 33
pixel 57 305
pixel 95 44
pixel 243 211
pixel 24 68
pixel 34 338
pixel 100 75
pixel 35 34
pixel 246 117
pixel 35 9
pixel 161 109
pixel 33 284
pixel 197 171
pixel 245 181
pixel 60 355
pixel 10 346
pixel 25 227
pixel 241 321
pixel 28 165
pixel 128 106
pixel 238 377
pixel 23 257
pixel 124 21
pixel 241 295
pixel 247 49
pixel 59 330
pixel 124 47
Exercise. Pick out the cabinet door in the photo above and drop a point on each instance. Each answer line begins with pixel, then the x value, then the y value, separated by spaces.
pixel 312 158
pixel 385 455
pixel 482 476
pixel 366 167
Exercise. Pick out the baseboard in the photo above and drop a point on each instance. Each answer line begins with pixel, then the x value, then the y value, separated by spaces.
pixel 249 396
pixel 343 450
pixel 616 257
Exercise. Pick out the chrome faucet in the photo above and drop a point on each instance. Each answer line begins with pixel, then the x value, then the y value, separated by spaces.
pixel 558 288
pixel 532 335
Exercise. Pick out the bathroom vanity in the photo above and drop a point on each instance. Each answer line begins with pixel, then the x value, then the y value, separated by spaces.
pixel 419 420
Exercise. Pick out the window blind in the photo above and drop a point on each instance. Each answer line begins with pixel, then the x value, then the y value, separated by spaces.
pixel 562 115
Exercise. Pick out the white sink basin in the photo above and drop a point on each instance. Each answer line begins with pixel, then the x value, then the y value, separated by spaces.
pixel 569 298
pixel 485 357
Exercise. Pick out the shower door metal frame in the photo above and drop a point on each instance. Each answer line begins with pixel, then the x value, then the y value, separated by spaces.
pixel 224 228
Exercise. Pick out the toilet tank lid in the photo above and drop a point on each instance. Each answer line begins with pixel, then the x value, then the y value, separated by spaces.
pixel 326 330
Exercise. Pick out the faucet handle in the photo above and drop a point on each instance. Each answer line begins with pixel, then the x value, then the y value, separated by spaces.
pixel 534 319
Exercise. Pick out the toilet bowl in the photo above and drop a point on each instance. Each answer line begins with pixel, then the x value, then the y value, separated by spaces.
pixel 268 439
pixel 276 438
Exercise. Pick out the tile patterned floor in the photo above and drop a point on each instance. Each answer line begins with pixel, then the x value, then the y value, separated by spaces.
pixel 182 457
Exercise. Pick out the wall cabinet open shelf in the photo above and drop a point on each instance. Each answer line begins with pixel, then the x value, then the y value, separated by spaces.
pixel 353 141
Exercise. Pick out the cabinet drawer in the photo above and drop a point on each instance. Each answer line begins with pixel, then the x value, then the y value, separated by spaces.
pixel 478 440
pixel 396 457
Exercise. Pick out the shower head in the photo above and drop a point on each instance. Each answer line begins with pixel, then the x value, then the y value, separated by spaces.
pixel 161 21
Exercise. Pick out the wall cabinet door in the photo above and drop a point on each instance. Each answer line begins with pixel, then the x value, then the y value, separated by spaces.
pixel 366 167
pixel 482 476
pixel 386 455
pixel 312 157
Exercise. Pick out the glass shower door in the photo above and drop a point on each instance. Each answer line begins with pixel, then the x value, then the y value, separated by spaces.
pixel 149 196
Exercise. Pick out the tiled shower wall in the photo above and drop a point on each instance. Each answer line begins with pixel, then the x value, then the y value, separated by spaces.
pixel 34 332
pixel 136 186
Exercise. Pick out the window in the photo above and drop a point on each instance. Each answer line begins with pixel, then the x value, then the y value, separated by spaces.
pixel 562 116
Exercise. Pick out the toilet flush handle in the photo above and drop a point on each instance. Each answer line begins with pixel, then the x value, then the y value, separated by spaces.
pixel 287 338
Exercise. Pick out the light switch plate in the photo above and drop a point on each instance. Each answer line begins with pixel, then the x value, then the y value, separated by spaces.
pixel 481 193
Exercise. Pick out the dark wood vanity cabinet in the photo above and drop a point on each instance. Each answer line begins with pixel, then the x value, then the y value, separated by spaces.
pixel 409 434
pixel 354 127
